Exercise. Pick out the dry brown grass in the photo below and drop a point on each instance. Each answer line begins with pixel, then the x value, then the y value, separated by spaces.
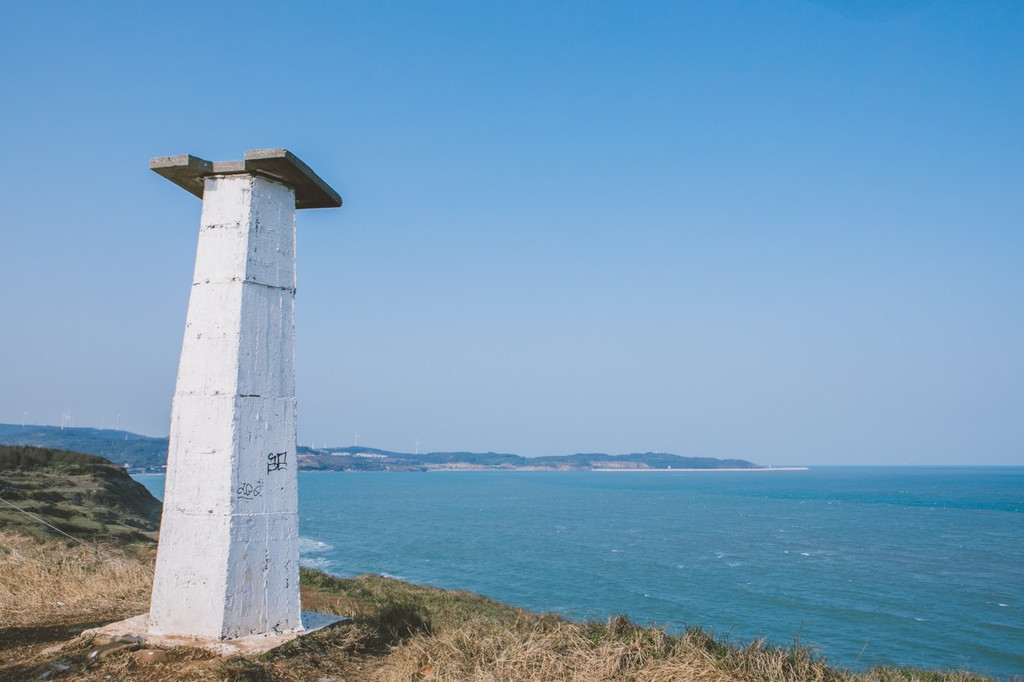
pixel 462 636
pixel 47 580
pixel 548 648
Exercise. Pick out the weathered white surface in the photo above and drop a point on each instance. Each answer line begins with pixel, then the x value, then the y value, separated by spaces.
pixel 227 562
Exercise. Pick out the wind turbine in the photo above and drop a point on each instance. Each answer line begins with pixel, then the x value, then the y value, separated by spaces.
pixel 417 445
pixel 355 441
pixel 24 418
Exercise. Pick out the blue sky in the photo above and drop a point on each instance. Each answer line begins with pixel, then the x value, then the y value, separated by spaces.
pixel 791 232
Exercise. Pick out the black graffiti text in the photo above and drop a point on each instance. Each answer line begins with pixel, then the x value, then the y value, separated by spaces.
pixel 277 461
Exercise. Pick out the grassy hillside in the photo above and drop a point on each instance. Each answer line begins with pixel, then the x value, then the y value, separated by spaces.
pixel 43 492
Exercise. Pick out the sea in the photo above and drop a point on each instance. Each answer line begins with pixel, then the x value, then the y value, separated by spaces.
pixel 870 566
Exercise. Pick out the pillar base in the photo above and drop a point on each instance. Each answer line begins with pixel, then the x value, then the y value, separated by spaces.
pixel 136 630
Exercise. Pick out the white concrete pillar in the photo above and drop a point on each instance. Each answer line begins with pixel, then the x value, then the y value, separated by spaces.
pixel 227 562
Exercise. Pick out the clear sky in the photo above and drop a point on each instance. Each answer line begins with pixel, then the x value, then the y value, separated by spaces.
pixel 791 232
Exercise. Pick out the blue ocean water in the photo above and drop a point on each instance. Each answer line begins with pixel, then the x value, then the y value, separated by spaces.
pixel 872 566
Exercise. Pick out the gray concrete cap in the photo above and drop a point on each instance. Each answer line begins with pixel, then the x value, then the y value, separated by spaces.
pixel 280 165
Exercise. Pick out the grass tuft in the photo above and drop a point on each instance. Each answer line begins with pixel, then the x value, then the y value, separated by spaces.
pixel 395 621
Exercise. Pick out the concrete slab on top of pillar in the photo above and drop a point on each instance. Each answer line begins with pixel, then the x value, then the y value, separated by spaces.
pixel 279 165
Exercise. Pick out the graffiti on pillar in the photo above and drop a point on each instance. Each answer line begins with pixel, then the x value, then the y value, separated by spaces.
pixel 277 461
pixel 250 491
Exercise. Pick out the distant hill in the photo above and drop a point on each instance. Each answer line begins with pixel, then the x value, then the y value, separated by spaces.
pixel 83 495
pixel 139 453
pixel 143 453
pixel 372 459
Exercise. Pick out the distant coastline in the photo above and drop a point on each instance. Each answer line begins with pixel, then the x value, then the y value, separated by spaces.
pixel 366 459
pixel 144 454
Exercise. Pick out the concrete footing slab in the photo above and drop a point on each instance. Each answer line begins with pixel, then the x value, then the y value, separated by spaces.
pixel 136 631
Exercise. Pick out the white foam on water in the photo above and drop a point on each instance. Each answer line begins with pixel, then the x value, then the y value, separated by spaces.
pixel 320 563
pixel 310 546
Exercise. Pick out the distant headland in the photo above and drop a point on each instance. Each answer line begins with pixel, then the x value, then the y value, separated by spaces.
pixel 142 454
pixel 370 459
